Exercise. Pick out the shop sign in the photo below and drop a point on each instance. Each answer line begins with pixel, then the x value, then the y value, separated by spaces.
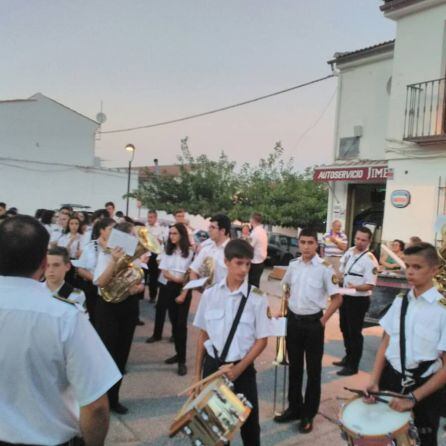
pixel 400 198
pixel 354 174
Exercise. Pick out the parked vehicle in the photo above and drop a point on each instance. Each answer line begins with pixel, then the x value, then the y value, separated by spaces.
pixel 281 249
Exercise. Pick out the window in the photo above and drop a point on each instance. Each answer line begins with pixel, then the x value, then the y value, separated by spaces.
pixel 349 148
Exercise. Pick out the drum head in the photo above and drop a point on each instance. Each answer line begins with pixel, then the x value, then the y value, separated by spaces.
pixel 372 419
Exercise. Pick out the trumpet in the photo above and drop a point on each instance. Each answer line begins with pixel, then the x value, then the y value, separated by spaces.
pixel 280 359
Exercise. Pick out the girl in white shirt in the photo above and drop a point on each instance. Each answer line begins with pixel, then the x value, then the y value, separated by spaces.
pixel 71 238
pixel 173 266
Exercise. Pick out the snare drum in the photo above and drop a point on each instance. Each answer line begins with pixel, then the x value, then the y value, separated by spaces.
pixel 213 417
pixel 376 424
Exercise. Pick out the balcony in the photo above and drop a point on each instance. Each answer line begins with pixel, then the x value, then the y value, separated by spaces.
pixel 425 113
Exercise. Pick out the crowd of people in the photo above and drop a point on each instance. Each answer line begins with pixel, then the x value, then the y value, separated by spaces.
pixel 67 343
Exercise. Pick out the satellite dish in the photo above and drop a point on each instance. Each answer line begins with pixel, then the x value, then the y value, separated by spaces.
pixel 101 117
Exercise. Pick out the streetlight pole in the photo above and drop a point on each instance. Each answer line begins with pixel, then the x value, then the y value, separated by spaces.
pixel 129 148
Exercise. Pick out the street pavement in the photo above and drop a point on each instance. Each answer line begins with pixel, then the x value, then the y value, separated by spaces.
pixel 150 387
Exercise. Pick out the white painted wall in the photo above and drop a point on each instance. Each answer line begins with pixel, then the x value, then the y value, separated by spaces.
pixel 43 130
pixel 419 56
pixel 364 101
pixel 29 186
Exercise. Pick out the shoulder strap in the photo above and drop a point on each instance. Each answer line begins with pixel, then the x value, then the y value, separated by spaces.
pixel 354 263
pixel 404 305
pixel 65 290
pixel 234 326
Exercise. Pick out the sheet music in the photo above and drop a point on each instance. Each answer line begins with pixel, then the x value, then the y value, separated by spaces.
pixel 197 283
pixel 122 240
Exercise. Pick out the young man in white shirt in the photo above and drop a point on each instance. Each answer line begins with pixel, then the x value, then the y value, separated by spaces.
pixel 259 241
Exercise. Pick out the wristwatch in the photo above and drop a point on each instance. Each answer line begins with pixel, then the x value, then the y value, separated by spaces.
pixel 412 398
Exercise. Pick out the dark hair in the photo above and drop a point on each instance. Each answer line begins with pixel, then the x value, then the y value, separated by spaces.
pixel 2 205
pixel 415 239
pixel 86 217
pixel 184 241
pixel 39 213
pixel 128 219
pixel 119 214
pixel 79 229
pixel 60 251
pixel 152 211
pixel 179 211
pixel 400 243
pixel 47 217
pixel 124 227
pixel 109 203
pixel 257 216
pixel 365 230
pixel 67 208
pixel 12 212
pixel 240 249
pixel 23 246
pixel 103 223
pixel 223 222
pixel 99 213
pixel 425 250
pixel 308 232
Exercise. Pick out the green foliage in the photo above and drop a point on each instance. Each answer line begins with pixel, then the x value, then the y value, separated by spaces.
pixel 273 187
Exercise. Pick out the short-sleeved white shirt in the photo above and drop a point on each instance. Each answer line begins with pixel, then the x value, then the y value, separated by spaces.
pixel 259 241
pixel 425 329
pixel 52 363
pixel 104 258
pixel 64 240
pixel 89 256
pixel 175 263
pixel 365 270
pixel 158 231
pixel 310 285
pixel 216 312
pixel 76 295
pixel 217 252
pixel 56 233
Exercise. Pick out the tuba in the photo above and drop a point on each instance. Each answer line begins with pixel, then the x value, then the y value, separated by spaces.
pixel 127 274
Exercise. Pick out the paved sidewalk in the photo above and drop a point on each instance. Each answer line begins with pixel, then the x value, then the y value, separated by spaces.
pixel 150 387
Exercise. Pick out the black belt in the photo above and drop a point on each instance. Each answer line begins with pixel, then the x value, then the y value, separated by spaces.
pixel 305 317
pixel 73 442
pixel 355 275
pixel 221 363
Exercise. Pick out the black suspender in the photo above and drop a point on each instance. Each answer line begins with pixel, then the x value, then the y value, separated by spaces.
pixel 349 273
pixel 225 351
pixel 65 290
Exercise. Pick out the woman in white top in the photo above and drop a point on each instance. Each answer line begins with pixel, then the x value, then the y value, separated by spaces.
pixel 173 266
pixel 71 238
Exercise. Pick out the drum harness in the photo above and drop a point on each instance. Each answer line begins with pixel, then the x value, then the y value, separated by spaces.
pixel 222 358
pixel 410 377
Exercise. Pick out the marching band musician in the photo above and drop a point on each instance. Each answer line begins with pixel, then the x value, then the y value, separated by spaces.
pixel 412 356
pixel 310 280
pixel 55 369
pixel 174 264
pixel 360 269
pixel 57 265
pixel 115 322
pixel 219 233
pixel 234 330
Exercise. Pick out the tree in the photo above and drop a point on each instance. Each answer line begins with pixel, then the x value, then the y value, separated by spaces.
pixel 273 187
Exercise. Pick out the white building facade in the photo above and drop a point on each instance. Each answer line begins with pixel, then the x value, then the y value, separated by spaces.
pixel 389 168
pixel 47 158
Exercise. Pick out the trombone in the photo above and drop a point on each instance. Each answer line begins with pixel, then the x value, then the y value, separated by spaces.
pixel 281 353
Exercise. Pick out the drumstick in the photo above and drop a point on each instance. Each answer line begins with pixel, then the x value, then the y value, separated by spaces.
pixel 362 393
pixel 214 375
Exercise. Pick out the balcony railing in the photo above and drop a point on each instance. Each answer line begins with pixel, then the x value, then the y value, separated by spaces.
pixel 425 114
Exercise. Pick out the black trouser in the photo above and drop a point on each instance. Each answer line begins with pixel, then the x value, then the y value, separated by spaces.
pixel 426 412
pixel 115 324
pixel 255 273
pixel 91 299
pixel 247 385
pixel 178 317
pixel 351 318
pixel 162 304
pixel 152 276
pixel 305 338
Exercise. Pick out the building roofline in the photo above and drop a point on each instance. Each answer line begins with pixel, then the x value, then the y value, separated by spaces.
pixel 33 97
pixel 7 101
pixel 348 56
pixel 392 5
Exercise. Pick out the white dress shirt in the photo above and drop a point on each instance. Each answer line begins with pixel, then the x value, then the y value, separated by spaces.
pixel 175 264
pixel 425 329
pixel 215 315
pixel 52 363
pixel 311 283
pixel 217 252
pixel 89 257
pixel 158 231
pixel 76 295
pixel 365 270
pixel 64 241
pixel 259 241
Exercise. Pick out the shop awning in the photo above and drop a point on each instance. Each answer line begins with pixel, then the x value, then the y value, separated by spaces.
pixel 363 171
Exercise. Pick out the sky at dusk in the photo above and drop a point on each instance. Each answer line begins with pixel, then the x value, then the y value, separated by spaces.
pixel 151 61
